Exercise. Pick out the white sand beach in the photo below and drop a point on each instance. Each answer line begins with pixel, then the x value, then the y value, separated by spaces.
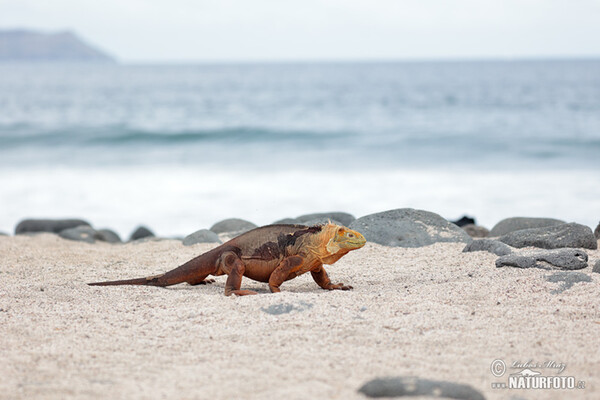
pixel 431 312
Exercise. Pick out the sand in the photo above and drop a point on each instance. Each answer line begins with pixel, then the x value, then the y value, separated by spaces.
pixel 432 312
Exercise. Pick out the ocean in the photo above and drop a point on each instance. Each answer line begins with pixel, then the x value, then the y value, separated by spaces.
pixel 180 147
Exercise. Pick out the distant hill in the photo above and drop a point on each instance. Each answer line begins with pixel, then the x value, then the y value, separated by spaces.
pixel 27 45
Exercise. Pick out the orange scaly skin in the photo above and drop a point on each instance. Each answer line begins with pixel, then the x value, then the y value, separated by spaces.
pixel 272 254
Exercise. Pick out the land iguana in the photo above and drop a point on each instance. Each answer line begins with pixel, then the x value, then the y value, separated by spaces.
pixel 272 253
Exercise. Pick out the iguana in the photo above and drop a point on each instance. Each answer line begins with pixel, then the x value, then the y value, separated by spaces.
pixel 272 253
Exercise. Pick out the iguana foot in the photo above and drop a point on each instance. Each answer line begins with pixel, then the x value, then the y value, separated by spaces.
pixel 339 286
pixel 202 282
pixel 243 292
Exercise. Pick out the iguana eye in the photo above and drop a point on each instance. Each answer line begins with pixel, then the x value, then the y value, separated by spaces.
pixel 350 235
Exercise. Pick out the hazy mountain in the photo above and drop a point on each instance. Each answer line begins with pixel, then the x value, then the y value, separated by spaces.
pixel 27 45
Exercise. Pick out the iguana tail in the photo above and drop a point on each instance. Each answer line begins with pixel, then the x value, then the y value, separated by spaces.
pixel 149 281
pixel 193 272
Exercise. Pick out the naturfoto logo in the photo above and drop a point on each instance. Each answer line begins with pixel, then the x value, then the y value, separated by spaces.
pixel 529 378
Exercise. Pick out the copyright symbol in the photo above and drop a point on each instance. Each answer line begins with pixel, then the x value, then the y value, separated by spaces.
pixel 498 368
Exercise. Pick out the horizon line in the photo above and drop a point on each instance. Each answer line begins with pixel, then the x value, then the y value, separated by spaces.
pixel 349 60
pixel 357 60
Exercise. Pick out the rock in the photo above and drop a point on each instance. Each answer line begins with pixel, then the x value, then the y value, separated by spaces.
pixel 109 236
pixel 342 218
pixel 201 236
pixel 493 246
pixel 465 220
pixel 287 221
pixel 553 237
pixel 509 225
pixel 596 267
pixel 48 225
pixel 413 386
pixel 232 225
pixel 569 259
pixel 597 231
pixel 407 227
pixel 3 234
pixel 475 231
pixel 82 233
pixel 141 233
pixel 567 280
pixel 284 308
pixel 321 221
pixel 22 45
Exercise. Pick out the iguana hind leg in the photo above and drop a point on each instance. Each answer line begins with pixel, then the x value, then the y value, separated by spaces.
pixel 320 276
pixel 200 281
pixel 235 267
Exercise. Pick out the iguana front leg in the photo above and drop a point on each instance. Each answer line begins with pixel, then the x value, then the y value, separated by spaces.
pixel 282 272
pixel 320 276
pixel 235 267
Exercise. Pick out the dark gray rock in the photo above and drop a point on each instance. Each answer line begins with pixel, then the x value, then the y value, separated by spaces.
pixel 321 221
pixel 287 221
pixel 48 225
pixel 407 227
pixel 342 218
pixel 81 234
pixel 201 236
pixel 476 231
pixel 493 246
pixel 233 225
pixel 567 280
pixel 109 236
pixel 141 233
pixel 596 267
pixel 284 308
pixel 465 220
pixel 553 237
pixel 413 386
pixel 597 231
pixel 27 45
pixel 569 259
pixel 509 225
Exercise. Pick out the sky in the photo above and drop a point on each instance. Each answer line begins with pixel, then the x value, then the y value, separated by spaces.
pixel 305 30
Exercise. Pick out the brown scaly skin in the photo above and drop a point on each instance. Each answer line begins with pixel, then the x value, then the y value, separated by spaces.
pixel 272 254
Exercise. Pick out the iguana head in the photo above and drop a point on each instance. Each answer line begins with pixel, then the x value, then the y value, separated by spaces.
pixel 343 238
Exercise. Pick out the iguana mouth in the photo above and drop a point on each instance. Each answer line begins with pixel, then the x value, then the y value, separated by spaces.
pixel 356 243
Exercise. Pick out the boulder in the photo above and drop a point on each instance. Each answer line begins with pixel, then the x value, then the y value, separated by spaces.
pixel 597 232
pixel 553 237
pixel 492 246
pixel 569 259
pixel 341 218
pixel 596 267
pixel 201 236
pixel 141 232
pixel 509 225
pixel 407 227
pixel 48 225
pixel 233 225
pixel 475 231
pixel 287 221
pixel 321 221
pixel 82 233
pixel 109 236
pixel 412 386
